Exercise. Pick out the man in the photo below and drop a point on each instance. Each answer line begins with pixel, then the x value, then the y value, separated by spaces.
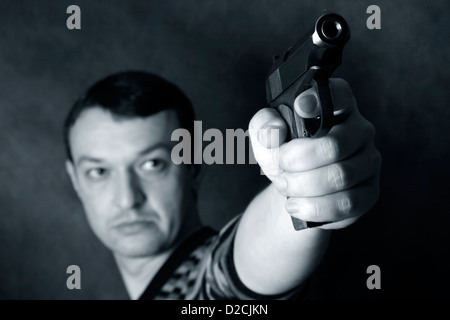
pixel 142 206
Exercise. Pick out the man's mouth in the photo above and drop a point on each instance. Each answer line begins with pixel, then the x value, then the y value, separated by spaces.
pixel 133 227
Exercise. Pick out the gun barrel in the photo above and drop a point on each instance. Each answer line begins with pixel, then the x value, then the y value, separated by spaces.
pixel 321 48
pixel 331 30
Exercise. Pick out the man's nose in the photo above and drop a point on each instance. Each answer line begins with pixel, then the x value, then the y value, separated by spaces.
pixel 129 192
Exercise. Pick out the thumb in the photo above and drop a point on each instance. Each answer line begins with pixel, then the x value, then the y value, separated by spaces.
pixel 269 128
pixel 267 131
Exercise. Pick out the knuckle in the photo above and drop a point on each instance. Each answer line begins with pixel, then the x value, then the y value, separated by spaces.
pixel 328 148
pixel 338 177
pixel 303 185
pixel 288 157
pixel 346 206
pixel 297 185
pixel 316 211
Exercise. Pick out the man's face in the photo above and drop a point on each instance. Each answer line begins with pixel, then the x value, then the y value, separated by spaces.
pixel 135 198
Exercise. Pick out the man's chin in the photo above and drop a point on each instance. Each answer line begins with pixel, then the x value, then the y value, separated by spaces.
pixel 139 245
pixel 138 251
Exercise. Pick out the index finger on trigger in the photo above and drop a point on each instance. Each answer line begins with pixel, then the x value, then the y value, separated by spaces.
pixel 342 95
pixel 307 104
pixel 342 141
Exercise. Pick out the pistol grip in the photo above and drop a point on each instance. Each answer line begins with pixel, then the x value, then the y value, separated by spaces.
pixel 315 128
pixel 289 117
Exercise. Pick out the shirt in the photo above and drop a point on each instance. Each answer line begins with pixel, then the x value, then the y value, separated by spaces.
pixel 202 268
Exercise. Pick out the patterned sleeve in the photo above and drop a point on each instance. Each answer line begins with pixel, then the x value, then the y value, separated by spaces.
pixel 219 279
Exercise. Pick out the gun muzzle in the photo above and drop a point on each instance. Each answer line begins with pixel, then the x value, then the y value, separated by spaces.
pixel 330 30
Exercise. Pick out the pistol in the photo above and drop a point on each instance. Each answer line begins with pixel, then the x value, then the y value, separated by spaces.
pixel 309 64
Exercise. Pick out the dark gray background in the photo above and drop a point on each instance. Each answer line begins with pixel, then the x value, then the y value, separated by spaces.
pixel 219 52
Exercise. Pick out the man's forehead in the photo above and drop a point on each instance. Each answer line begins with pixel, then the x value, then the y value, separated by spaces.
pixel 95 117
pixel 98 131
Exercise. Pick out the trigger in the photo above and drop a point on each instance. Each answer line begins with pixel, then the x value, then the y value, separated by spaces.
pixel 325 122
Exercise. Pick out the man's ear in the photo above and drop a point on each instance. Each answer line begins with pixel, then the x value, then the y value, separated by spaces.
pixel 71 172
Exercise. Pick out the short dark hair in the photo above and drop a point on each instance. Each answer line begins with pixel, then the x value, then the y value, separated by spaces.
pixel 132 94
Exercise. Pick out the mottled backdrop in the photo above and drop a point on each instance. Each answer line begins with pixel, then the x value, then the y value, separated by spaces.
pixel 219 52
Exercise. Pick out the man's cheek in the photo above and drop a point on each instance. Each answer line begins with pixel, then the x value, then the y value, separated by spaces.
pixel 97 194
pixel 169 207
pixel 92 186
pixel 97 208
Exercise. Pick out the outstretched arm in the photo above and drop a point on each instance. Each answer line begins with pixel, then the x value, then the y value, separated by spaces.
pixel 333 178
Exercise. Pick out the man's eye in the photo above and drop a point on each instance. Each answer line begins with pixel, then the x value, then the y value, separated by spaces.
pixel 96 173
pixel 152 165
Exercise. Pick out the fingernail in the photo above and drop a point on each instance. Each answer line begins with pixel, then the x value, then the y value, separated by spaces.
pixel 269 136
